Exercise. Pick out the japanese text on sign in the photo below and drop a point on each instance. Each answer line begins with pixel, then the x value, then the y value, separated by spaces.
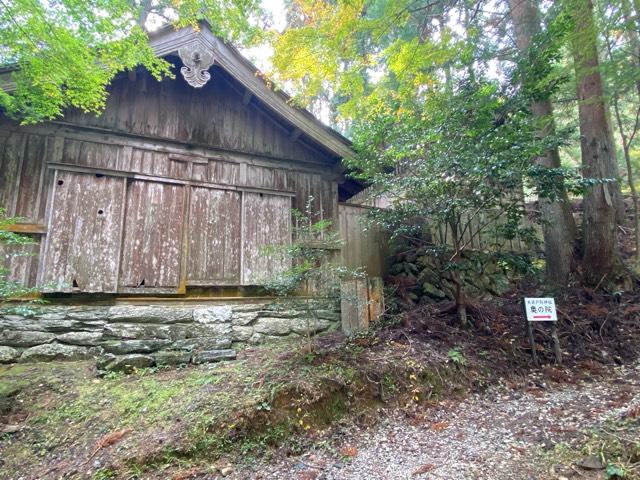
pixel 540 309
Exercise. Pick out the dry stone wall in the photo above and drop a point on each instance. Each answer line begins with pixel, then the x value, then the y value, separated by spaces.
pixel 147 335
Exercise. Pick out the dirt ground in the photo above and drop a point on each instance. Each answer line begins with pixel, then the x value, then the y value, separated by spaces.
pixel 415 398
pixel 537 429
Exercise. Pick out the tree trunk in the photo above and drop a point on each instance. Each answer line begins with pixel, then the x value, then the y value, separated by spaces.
pixel 625 138
pixel 459 294
pixel 597 148
pixel 558 225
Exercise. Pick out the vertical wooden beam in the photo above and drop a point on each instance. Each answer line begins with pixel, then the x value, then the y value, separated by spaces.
pixel 44 248
pixel 121 228
pixel 182 286
pixel 19 166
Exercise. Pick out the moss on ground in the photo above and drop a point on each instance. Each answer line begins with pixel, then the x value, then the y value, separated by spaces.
pixel 164 420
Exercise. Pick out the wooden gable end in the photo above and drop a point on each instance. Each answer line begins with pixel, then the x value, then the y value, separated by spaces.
pixel 218 115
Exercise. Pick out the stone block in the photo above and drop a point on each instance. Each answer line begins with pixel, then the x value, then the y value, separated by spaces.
pixel 54 351
pixel 331 315
pixel 136 331
pixel 100 313
pixel 80 338
pixel 25 338
pixel 172 357
pixel 248 307
pixel 273 326
pixel 244 318
pixel 122 347
pixel 217 314
pixel 299 325
pixel 126 363
pixel 241 334
pixel 208 343
pixel 8 354
pixel 214 329
pixel 256 339
pixel 208 356
pixel 137 314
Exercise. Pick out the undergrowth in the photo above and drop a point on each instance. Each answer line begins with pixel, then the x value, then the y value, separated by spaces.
pixel 168 420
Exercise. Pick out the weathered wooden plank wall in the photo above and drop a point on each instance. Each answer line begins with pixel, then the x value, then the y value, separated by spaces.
pixel 192 184
pixel 364 247
pixel 214 237
pixel 213 115
pixel 82 247
pixel 152 236
pixel 270 225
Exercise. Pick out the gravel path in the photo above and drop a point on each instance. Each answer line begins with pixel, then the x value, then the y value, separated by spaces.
pixel 498 434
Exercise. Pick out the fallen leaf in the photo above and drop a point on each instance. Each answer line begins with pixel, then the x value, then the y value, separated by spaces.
pixel 439 426
pixel 427 467
pixel 308 475
pixel 109 439
pixel 349 451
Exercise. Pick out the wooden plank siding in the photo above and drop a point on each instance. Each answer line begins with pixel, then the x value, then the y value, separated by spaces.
pixel 212 115
pixel 266 221
pixel 364 247
pixel 83 240
pixel 214 237
pixel 170 187
pixel 152 236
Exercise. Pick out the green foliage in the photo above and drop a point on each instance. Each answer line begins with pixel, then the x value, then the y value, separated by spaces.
pixel 457 357
pixel 308 258
pixel 309 268
pixel 68 51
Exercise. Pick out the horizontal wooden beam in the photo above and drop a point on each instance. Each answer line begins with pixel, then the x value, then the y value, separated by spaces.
pixel 174 181
pixel 25 228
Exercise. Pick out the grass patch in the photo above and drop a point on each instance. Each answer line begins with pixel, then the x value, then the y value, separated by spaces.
pixel 616 444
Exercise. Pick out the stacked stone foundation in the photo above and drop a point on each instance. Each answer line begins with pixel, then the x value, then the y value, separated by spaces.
pixel 148 335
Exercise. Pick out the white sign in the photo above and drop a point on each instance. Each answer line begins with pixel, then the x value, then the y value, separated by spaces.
pixel 540 310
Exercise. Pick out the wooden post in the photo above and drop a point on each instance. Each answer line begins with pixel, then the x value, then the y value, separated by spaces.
pixel 532 340
pixel 556 343
pixel 376 298
pixel 362 301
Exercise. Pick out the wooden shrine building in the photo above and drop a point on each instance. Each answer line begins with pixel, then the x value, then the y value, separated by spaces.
pixel 179 184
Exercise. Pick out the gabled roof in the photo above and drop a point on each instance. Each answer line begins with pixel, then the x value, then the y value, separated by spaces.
pixel 199 49
pixel 201 42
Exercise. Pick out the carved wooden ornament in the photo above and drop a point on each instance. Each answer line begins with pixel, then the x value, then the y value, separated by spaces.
pixel 197 60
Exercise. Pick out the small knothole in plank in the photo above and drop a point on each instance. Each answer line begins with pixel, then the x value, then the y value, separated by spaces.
pixel 60 182
pixel 99 175
pixel 75 284
pixel 100 211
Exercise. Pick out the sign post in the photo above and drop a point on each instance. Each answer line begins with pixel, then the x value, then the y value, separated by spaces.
pixel 542 310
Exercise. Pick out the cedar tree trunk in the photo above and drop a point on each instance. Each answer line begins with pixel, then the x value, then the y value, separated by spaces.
pixel 558 225
pixel 598 151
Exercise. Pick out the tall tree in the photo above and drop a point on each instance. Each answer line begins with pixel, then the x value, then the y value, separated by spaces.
pixel 622 85
pixel 599 162
pixel 558 225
